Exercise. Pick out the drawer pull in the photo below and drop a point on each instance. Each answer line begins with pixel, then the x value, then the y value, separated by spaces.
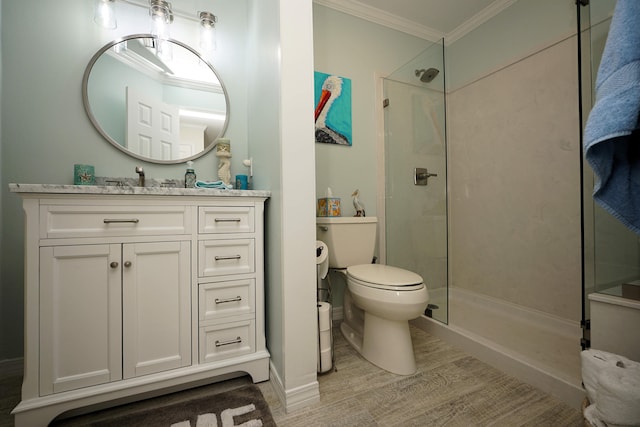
pixel 113 264
pixel 227 220
pixel 236 341
pixel 110 221
pixel 225 257
pixel 222 301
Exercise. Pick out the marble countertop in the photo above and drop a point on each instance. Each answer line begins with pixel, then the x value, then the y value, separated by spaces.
pixel 134 190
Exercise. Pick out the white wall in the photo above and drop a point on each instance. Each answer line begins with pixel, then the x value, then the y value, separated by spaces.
pixel 520 30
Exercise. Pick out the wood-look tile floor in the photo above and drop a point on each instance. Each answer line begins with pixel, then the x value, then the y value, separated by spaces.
pixel 450 388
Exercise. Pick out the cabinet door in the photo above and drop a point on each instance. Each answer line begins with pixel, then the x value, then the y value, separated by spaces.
pixel 156 307
pixel 80 317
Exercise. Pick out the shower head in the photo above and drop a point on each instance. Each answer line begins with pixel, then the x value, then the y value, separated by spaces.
pixel 427 75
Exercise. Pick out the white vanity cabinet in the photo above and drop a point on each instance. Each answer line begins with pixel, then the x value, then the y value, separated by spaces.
pixel 112 311
pixel 132 294
pixel 226 277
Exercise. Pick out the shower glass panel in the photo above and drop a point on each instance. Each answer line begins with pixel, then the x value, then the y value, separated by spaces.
pixel 415 137
pixel 614 262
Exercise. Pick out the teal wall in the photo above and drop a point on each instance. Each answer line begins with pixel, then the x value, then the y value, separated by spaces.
pixel 45 49
pixel 337 38
pixel 522 29
pixel 380 51
pixel 264 21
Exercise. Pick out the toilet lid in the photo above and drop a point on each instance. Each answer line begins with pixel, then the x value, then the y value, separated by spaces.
pixel 384 275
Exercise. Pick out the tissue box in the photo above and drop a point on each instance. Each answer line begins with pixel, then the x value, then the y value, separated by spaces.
pixel 329 206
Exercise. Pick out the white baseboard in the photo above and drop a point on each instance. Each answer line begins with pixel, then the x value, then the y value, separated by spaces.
pixel 296 398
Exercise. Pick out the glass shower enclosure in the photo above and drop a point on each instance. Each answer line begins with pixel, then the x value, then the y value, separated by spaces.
pixel 612 251
pixel 415 201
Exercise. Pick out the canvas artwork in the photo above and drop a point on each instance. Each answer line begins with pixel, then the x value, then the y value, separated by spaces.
pixel 333 109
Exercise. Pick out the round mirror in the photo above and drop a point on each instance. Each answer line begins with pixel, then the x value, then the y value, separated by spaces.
pixel 156 100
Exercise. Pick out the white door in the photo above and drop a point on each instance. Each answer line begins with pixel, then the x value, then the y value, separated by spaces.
pixel 153 127
pixel 80 317
pixel 156 307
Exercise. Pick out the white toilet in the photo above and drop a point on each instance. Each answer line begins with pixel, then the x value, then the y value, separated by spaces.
pixel 379 299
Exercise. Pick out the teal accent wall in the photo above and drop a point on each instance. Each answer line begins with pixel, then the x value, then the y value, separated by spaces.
pixel 45 49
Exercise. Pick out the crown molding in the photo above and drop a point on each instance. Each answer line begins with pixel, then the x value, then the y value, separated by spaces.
pixel 378 16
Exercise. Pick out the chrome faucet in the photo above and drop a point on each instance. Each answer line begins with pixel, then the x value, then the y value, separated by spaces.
pixel 140 173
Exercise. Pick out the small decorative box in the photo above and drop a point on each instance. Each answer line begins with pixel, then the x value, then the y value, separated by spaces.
pixel 84 175
pixel 329 206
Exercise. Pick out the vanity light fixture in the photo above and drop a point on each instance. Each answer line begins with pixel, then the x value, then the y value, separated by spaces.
pixel 105 13
pixel 161 18
pixel 207 32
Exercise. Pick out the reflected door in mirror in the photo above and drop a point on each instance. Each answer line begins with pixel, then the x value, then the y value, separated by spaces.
pixel 152 126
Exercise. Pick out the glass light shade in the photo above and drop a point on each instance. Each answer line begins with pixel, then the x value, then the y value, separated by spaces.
pixel 159 27
pixel 207 33
pixel 105 13
pixel 161 18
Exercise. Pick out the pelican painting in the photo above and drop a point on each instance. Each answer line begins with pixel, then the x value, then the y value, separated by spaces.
pixel 333 109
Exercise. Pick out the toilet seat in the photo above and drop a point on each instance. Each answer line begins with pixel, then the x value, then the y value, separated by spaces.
pixel 385 277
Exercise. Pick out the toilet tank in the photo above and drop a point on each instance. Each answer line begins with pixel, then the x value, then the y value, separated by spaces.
pixel 351 240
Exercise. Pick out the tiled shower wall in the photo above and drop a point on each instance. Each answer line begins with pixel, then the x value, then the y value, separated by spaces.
pixel 514 187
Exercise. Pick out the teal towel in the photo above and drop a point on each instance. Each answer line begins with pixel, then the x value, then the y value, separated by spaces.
pixel 612 134
pixel 215 184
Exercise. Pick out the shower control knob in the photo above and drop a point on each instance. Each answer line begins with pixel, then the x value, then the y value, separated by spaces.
pixel 421 176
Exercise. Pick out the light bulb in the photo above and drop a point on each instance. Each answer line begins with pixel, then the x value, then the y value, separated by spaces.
pixel 161 18
pixel 158 27
pixel 105 13
pixel 207 33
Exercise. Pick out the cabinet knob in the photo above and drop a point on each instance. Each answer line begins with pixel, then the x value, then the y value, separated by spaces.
pixel 113 264
pixel 127 263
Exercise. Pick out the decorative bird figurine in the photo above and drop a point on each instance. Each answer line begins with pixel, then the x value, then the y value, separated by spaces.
pixel 358 204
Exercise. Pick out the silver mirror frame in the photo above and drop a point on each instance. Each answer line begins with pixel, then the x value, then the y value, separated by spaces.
pixel 94 121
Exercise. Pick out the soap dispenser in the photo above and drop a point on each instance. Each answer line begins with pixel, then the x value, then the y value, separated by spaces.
pixel 190 176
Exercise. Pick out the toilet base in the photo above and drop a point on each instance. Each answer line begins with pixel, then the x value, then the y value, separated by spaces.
pixel 385 343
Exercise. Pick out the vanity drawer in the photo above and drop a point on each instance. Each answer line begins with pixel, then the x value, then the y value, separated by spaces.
pixel 223 299
pixel 58 221
pixel 227 340
pixel 222 257
pixel 226 219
